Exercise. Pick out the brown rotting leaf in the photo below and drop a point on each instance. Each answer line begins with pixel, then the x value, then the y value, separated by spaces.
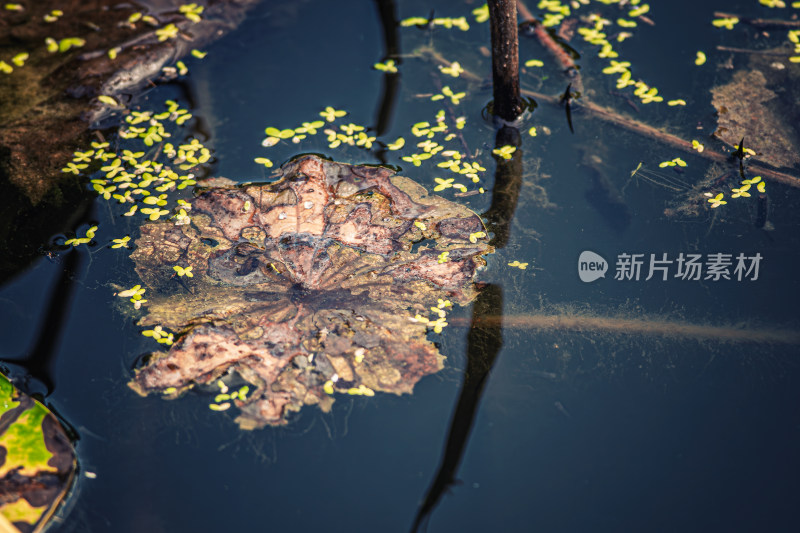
pixel 313 279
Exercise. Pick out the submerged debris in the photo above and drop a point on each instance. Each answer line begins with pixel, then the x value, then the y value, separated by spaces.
pixel 747 108
pixel 319 282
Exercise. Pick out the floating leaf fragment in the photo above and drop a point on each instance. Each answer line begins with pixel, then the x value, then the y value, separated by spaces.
pixel 506 152
pixel 192 11
pixel 453 70
pixel 473 237
pixel 76 241
pixel 673 162
pixel 19 59
pixel 122 242
pixel 170 31
pixel 481 13
pixel 280 134
pixel 700 59
pixel 725 22
pixel 417 159
pixel 717 201
pixel 617 67
pixel 388 66
pixel 108 100
pixel 443 184
pixel 397 145
pixel 66 44
pixel 414 21
pixel 53 15
pixel 330 114
pixel 741 191
pixel 183 271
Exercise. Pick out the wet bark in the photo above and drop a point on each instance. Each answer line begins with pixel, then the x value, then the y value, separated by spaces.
pixel 508 103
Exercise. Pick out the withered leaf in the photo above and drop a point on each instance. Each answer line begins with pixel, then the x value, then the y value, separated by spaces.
pixel 747 108
pixel 316 277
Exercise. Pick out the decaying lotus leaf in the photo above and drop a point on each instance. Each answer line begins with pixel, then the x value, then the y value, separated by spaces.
pixel 746 108
pixel 306 284
pixel 37 461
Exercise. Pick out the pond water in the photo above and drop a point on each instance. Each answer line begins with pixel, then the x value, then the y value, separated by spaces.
pixel 529 429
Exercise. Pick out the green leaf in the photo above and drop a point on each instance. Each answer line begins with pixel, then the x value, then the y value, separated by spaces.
pixel 25 445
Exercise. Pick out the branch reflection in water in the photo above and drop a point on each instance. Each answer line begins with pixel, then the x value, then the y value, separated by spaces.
pixel 485 337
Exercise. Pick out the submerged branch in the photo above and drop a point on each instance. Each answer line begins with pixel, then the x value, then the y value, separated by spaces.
pixel 554 48
pixel 613 117
pixel 760 23
pixel 784 55
pixel 638 326
pixel 451 115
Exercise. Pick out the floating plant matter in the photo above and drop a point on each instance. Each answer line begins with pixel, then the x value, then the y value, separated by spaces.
pixel 37 461
pixel 320 282
pixel 747 108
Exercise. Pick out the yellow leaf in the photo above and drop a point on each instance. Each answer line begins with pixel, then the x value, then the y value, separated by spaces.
pixel 108 100
pixel 701 59
pixel 20 59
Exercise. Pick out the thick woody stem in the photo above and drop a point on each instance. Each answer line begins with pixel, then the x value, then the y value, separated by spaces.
pixel 505 59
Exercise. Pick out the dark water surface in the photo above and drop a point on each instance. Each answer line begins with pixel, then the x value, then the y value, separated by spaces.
pixel 572 431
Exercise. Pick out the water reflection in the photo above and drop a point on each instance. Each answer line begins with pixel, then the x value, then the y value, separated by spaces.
pixel 387 15
pixel 40 360
pixel 485 337
pixel 484 341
